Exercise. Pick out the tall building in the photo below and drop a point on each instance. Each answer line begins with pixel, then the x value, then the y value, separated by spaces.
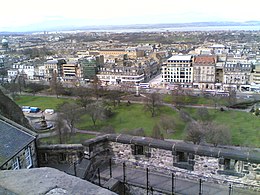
pixel 204 68
pixel 178 70
pixel 236 73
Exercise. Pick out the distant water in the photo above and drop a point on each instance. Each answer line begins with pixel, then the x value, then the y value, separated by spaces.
pixel 179 29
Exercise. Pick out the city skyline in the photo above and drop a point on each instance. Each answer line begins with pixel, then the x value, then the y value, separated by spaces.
pixel 44 15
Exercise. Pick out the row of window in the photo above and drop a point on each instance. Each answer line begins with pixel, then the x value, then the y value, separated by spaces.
pixel 28 160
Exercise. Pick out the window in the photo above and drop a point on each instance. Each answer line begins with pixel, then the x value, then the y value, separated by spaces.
pixel 137 149
pixel 16 164
pixel 28 157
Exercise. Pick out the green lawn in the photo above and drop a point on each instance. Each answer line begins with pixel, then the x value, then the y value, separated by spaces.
pixel 133 117
pixel 40 101
pixel 73 139
pixel 196 100
pixel 244 126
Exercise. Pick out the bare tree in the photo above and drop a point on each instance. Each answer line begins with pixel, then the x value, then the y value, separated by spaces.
pixel 217 134
pixel 177 97
pixel 96 86
pixel 195 132
pixel 153 103
pixel 203 114
pixel 96 111
pixel 83 96
pixel 61 129
pixel 35 87
pixel 167 123
pixel 210 132
pixel 21 82
pixel 56 85
pixel 71 112
pixel 114 97
pixel 185 116
pixel 181 97
pixel 231 99
pixel 156 133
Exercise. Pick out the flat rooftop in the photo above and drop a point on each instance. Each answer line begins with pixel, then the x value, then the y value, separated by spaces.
pixel 180 57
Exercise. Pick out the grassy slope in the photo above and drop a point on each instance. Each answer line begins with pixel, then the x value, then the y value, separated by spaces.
pixel 245 127
pixel 40 102
pixel 132 117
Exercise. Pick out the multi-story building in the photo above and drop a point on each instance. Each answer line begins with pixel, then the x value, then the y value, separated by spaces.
pixel 18 146
pixel 70 71
pixel 39 72
pixel 90 65
pixel 21 69
pixel 51 67
pixel 111 74
pixel 178 70
pixel 255 75
pixel 204 68
pixel 236 72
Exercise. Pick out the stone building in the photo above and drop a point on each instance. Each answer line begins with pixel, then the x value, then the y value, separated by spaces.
pixel 236 72
pixel 204 68
pixel 111 74
pixel 18 146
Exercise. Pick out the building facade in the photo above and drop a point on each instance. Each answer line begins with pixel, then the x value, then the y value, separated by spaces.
pixel 112 75
pixel 178 70
pixel 204 69
pixel 236 73
pixel 18 146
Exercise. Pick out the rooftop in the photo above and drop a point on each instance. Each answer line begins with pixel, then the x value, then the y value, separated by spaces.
pixel 12 140
pixel 180 57
pixel 205 59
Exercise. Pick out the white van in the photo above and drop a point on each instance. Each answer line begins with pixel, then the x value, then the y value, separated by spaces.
pixel 49 111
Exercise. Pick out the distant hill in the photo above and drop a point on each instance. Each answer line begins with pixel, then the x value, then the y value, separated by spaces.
pixel 10 110
pixel 65 26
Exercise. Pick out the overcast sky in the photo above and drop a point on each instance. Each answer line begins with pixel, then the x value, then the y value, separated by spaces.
pixel 29 15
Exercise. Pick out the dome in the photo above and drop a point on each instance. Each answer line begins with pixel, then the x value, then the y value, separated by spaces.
pixel 4 41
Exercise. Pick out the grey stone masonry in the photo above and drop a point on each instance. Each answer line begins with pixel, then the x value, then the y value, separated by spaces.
pixel 216 164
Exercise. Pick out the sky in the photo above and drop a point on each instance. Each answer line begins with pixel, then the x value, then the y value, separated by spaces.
pixel 27 15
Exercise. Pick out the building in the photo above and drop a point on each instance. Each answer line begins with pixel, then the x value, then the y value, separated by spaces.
pixel 255 75
pixel 90 65
pixel 112 74
pixel 26 70
pixel 70 71
pixel 236 72
pixel 204 68
pixel 18 146
pixel 39 72
pixel 178 70
pixel 51 67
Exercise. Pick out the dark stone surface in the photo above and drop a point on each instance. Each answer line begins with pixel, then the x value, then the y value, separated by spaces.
pixel 12 140
pixel 47 181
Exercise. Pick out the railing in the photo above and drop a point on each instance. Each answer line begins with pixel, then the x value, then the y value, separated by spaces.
pixel 187 175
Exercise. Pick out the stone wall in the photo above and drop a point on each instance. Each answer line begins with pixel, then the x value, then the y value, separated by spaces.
pixel 204 167
pixel 59 154
pixel 21 156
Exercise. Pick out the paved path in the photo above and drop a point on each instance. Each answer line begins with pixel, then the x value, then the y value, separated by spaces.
pixel 163 183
